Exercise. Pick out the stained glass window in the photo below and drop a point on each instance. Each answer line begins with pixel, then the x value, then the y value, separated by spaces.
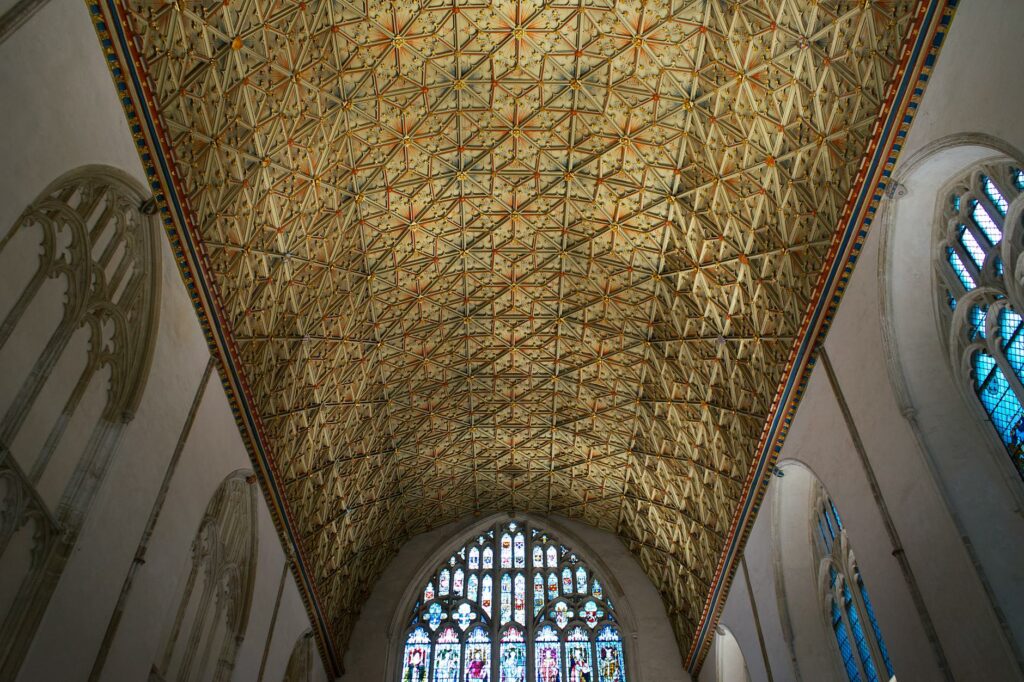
pixel 988 328
pixel 417 656
pixel 553 621
pixel 446 656
pixel 857 632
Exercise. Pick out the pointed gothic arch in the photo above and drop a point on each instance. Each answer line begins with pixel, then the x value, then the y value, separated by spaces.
pixel 729 661
pixel 212 613
pixel 78 310
pixel 828 619
pixel 300 662
pixel 539 633
pixel 930 354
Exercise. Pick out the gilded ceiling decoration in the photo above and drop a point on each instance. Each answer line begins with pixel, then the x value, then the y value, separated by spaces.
pixel 517 255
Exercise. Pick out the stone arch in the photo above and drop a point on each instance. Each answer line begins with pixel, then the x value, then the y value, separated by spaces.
pixel 78 313
pixel 962 451
pixel 804 626
pixel 915 328
pixel 213 608
pixel 815 569
pixel 730 665
pixel 624 612
pixel 300 662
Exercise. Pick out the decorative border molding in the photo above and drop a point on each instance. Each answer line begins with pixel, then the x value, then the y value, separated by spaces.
pixel 917 58
pixel 152 145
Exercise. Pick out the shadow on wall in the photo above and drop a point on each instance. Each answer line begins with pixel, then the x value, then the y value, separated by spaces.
pixel 77 324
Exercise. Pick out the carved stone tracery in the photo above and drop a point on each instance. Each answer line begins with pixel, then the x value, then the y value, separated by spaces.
pixel 88 235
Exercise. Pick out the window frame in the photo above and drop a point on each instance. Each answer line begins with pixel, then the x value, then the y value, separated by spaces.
pixel 992 290
pixel 838 569
pixel 432 562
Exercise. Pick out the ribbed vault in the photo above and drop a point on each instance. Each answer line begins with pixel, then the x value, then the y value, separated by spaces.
pixel 542 256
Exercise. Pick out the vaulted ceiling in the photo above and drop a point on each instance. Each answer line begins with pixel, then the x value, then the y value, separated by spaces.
pixel 515 255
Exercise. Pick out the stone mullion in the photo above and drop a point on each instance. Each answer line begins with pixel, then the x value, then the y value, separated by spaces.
pixel 36 380
pixel 62 421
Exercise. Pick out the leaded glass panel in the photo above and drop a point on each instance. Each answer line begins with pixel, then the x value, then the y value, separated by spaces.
pixel 987 330
pixel 862 651
pixel 554 622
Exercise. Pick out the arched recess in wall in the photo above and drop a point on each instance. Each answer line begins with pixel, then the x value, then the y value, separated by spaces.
pixel 933 344
pixel 584 616
pixel 209 621
pixel 730 665
pixel 78 308
pixel 828 620
pixel 925 337
pixel 300 663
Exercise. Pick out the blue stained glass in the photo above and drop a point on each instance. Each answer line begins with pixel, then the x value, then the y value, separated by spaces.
pixel 983 220
pixel 956 202
pixel 1013 339
pixel 578 664
pixel 874 626
pixel 863 648
pixel 994 194
pixel 506 598
pixel 972 247
pixel 844 645
pixel 977 321
pixel 950 300
pixel 1018 178
pixel 547 654
pixel 835 515
pixel 828 524
pixel 960 269
pixel 1001 404
pixel 825 537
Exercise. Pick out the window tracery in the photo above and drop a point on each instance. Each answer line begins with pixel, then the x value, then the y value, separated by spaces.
pixel 851 616
pixel 980 239
pixel 300 662
pixel 564 631
pixel 77 313
pixel 213 610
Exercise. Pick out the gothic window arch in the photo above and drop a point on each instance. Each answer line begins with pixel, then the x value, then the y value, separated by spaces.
pixel 78 301
pixel 213 609
pixel 980 239
pixel 300 663
pixel 730 665
pixel 513 604
pixel 848 607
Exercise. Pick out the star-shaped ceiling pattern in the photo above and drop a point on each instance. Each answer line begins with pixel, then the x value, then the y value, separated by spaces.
pixel 543 256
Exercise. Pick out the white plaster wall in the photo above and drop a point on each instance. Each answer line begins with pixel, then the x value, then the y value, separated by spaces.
pixel 780 548
pixel 59 111
pixel 974 88
pixel 737 615
pixel 6 5
pixel 726 660
pixel 978 92
pixel 656 656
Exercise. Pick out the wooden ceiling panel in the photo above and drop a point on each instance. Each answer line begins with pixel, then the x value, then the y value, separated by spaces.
pixel 548 256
